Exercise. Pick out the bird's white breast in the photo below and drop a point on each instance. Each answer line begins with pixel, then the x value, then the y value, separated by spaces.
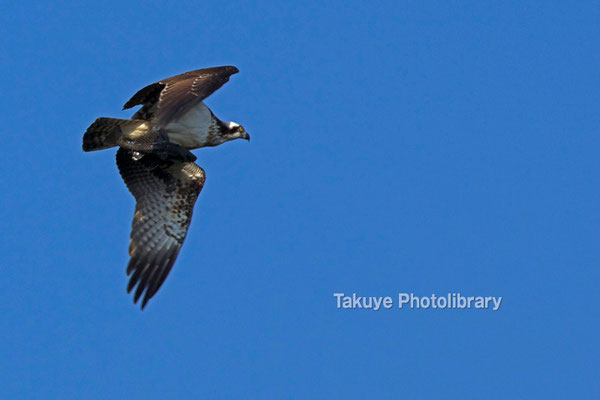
pixel 193 129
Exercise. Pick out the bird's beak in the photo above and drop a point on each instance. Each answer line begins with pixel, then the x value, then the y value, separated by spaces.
pixel 246 136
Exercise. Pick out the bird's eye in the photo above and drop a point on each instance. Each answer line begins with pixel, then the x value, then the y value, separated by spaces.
pixel 240 129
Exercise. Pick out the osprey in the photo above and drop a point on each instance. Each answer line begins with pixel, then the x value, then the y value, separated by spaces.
pixel 159 170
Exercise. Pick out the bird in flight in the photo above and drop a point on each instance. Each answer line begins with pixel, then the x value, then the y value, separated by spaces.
pixel 155 162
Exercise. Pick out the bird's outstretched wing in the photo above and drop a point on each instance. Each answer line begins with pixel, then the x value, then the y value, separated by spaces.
pixel 170 98
pixel 165 193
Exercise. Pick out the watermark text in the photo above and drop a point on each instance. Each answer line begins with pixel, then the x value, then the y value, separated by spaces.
pixel 411 301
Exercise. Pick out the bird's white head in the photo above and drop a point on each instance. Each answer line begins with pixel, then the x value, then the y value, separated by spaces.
pixel 233 130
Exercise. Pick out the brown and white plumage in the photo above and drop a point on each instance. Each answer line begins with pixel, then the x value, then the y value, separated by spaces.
pixel 155 162
pixel 172 110
pixel 165 193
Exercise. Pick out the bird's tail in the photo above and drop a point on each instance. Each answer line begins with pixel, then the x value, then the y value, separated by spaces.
pixel 105 133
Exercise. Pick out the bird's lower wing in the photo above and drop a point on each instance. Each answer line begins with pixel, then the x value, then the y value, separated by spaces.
pixel 165 193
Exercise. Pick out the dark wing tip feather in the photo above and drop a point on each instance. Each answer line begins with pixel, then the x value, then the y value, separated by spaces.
pixel 151 271
pixel 224 70
pixel 231 69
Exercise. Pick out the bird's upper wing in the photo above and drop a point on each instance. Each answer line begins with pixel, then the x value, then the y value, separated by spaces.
pixel 170 98
pixel 165 193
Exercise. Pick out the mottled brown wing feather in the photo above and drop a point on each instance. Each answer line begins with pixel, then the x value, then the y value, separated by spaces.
pixel 165 193
pixel 170 98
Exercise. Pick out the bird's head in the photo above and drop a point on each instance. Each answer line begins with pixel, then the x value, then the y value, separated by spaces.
pixel 234 130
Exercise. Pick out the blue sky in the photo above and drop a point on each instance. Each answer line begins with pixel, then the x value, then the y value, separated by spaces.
pixel 420 147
